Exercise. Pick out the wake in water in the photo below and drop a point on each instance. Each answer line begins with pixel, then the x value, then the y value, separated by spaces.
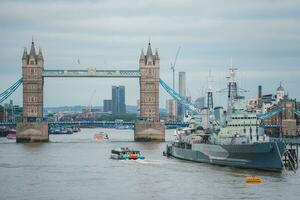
pixel 145 161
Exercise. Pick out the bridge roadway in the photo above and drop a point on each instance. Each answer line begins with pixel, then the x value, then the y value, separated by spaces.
pixel 168 123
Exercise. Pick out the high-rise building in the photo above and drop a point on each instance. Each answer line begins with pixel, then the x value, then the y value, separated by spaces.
pixel 171 109
pixel 107 105
pixel 182 92
pixel 259 97
pixel 118 100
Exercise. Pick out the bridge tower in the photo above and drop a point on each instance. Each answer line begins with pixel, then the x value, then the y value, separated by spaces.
pixel 32 128
pixel 149 126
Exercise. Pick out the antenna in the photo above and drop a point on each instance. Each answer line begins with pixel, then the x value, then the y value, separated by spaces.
pixel 210 104
pixel 173 67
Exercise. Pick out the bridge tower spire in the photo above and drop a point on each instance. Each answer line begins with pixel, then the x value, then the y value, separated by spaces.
pixel 32 68
pixel 150 127
pixel 33 65
pixel 149 84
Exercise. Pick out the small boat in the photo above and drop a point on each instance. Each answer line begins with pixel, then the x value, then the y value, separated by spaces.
pixel 60 130
pixel 75 129
pixel 11 135
pixel 125 153
pixel 253 179
pixel 101 136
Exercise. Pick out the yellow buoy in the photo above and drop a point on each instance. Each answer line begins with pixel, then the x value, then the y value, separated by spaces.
pixel 253 179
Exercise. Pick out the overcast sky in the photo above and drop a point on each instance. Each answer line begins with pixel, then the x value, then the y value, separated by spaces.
pixel 261 36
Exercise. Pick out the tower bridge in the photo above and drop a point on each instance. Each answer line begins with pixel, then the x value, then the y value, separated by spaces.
pixel 34 129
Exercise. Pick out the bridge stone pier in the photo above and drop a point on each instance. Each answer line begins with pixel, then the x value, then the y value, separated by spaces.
pixel 149 127
pixel 34 129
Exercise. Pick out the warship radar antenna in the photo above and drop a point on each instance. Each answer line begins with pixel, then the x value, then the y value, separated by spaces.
pixel 210 104
pixel 232 88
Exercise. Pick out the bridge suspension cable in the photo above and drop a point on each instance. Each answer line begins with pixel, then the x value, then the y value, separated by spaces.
pixel 4 95
pixel 297 112
pixel 180 99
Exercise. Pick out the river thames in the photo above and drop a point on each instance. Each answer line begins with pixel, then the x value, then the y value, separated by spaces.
pixel 76 166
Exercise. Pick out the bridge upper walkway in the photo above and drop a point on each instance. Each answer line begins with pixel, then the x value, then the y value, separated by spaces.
pixel 92 73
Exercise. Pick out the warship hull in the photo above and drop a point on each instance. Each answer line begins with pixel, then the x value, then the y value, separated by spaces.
pixel 262 156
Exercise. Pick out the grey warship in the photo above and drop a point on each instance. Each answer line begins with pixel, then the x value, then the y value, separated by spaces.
pixel 238 141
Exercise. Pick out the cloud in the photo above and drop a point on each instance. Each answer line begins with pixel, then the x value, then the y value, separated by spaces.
pixel 262 37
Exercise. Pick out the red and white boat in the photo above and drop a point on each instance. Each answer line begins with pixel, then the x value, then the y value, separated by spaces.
pixel 11 135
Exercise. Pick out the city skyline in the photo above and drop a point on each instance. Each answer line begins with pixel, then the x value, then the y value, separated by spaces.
pixel 261 37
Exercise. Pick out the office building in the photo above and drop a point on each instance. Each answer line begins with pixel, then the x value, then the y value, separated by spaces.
pixel 171 109
pixel 118 100
pixel 182 92
pixel 107 105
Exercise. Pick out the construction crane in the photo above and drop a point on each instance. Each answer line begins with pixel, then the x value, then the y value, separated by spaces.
pixel 90 102
pixel 173 67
